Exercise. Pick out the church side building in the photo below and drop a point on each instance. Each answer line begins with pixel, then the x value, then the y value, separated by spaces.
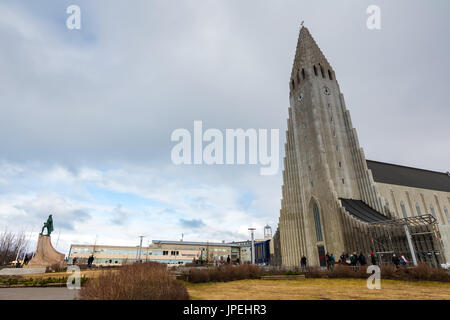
pixel 333 199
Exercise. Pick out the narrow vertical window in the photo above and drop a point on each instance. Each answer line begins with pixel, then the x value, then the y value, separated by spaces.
pixel 293 84
pixel 402 205
pixel 321 71
pixel 419 213
pixel 317 223
pixel 330 75
pixel 315 70
pixel 298 77
pixel 432 211
pixel 303 74
pixel 447 215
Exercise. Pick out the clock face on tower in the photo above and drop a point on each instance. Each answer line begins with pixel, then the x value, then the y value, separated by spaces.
pixel 326 91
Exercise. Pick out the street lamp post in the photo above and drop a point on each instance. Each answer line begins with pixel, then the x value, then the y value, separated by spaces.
pixel 140 249
pixel 253 244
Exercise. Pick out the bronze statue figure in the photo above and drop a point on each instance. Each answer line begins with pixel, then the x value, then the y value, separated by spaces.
pixel 48 225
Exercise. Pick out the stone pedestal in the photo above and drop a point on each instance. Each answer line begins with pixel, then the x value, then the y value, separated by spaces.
pixel 46 255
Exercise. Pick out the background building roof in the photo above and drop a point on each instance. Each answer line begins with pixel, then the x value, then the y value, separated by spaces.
pixel 411 177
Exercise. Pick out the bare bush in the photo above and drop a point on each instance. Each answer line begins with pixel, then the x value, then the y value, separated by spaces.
pixel 421 272
pixel 138 281
pixel 224 273
pixel 10 244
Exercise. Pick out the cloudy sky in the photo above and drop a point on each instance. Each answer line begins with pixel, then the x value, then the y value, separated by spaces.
pixel 86 115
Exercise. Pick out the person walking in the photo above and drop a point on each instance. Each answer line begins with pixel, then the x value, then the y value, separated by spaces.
pixel 353 260
pixel 303 262
pixel 228 260
pixel 342 258
pixel 332 261
pixel 362 259
pixel 373 260
pixel 90 261
pixel 403 261
pixel 327 259
pixel 395 260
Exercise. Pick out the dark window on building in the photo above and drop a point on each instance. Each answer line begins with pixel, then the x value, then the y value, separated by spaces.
pixel 402 205
pixel 330 75
pixel 312 184
pixel 340 164
pixel 321 71
pixel 447 215
pixel 432 211
pixel 165 253
pixel 315 70
pixel 419 213
pixel 317 222
pixel 298 77
pixel 293 84
pixel 343 181
pixel 303 74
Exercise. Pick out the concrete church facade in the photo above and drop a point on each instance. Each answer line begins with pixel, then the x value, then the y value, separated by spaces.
pixel 333 199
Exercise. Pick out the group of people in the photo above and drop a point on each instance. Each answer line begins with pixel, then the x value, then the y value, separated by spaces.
pixel 20 263
pixel 222 261
pixel 399 261
pixel 354 260
pixel 90 261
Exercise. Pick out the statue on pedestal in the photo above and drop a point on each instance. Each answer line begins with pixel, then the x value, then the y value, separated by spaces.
pixel 48 225
pixel 46 255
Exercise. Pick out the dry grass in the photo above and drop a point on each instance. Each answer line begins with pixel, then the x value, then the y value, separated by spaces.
pixel 318 289
pixel 223 273
pixel 139 281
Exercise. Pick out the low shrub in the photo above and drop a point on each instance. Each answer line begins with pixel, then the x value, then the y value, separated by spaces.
pixel 223 273
pixel 138 281
pixel 421 272
pixel 341 271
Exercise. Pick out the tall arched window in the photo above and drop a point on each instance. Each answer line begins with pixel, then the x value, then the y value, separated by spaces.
pixel 315 70
pixel 330 75
pixel 317 223
pixel 447 215
pixel 402 205
pixel 303 74
pixel 419 213
pixel 432 211
pixel 321 71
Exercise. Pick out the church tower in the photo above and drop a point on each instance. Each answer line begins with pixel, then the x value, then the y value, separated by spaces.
pixel 323 162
